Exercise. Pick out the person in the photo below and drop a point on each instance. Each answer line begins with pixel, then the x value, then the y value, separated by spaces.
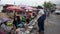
pixel 4 25
pixel 41 20
pixel 17 24
pixel 28 20
pixel 52 10
pixel 17 21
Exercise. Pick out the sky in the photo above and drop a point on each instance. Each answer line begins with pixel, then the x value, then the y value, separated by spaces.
pixel 27 2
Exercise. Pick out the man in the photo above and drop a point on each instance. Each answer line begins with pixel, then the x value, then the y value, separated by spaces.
pixel 41 20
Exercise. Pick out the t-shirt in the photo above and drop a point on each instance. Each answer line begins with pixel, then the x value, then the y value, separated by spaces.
pixel 41 11
pixel 43 15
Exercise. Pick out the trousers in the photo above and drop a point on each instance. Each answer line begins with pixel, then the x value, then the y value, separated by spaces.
pixel 41 24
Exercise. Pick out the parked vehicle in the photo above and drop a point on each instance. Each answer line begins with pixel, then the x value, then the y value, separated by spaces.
pixel 57 12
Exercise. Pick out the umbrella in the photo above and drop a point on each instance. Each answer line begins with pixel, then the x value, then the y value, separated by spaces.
pixel 14 8
pixel 34 9
pixel 22 5
pixel 4 20
pixel 29 8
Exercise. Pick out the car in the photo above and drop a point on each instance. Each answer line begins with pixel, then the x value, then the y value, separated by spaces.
pixel 57 12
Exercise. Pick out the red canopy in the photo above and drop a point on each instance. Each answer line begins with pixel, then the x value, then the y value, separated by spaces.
pixel 14 8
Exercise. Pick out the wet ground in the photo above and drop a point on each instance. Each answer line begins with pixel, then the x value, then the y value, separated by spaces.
pixel 52 25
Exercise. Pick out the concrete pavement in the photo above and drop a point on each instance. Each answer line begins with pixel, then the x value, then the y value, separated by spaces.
pixel 52 25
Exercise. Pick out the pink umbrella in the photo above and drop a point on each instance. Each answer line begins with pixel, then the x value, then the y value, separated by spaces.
pixel 22 5
pixel 35 9
pixel 14 8
pixel 29 8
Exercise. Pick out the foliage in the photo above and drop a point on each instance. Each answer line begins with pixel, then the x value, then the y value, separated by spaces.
pixel 49 4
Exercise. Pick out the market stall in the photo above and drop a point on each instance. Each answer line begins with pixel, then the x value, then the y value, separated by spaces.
pixel 29 17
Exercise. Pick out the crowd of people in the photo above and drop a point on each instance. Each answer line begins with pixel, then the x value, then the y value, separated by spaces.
pixel 17 22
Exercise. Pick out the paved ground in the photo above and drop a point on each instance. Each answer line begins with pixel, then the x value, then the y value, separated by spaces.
pixel 53 25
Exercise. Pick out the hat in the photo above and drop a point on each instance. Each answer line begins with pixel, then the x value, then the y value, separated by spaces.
pixel 40 7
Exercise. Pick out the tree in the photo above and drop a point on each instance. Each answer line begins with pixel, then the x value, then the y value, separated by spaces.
pixel 49 5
